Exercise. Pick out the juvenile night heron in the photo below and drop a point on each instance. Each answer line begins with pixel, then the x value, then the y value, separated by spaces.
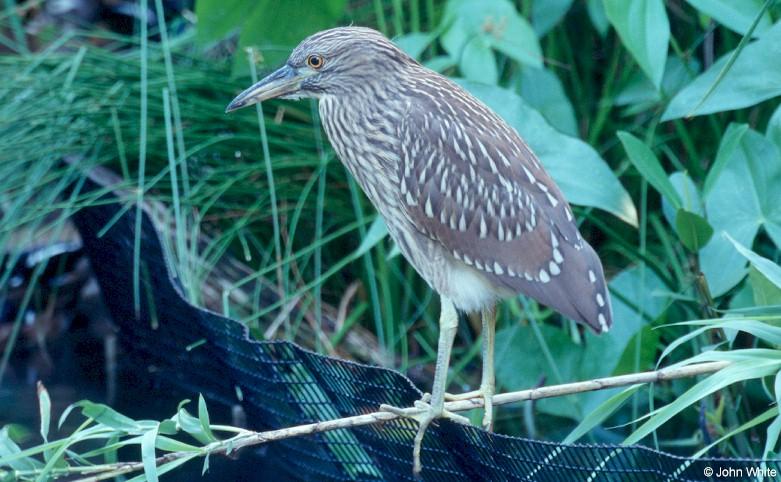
pixel 467 202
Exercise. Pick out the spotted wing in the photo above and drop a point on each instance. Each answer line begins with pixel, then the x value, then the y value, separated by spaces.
pixel 472 184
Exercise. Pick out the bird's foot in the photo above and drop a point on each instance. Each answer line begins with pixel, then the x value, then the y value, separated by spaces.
pixel 420 410
pixel 487 394
pixel 457 397
pixel 423 413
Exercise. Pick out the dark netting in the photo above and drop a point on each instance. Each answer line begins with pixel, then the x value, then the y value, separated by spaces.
pixel 283 385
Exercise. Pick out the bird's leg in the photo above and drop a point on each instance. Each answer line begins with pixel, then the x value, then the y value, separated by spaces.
pixel 433 407
pixel 488 383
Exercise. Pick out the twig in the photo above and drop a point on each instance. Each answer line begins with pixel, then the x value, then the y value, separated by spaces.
pixel 255 438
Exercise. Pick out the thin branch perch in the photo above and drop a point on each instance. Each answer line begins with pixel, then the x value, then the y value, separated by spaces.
pixel 249 438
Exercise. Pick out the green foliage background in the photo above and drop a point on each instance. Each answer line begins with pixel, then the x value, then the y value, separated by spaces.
pixel 659 119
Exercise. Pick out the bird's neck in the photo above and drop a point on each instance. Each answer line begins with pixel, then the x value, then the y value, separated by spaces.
pixel 362 131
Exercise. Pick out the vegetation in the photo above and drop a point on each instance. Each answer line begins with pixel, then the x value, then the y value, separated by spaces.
pixel 659 119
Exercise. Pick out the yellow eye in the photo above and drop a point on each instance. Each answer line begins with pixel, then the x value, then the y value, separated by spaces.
pixel 315 61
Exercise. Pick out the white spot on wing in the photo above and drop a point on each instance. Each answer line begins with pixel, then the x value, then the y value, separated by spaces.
pixel 529 174
pixel 602 323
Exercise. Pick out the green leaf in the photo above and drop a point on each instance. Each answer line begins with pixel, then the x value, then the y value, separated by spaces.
pixel 741 86
pixel 376 233
pixel 774 429
pixel 771 334
pixel 577 168
pixel 546 14
pixel 735 15
pixel 414 43
pixel 521 363
pixel 644 357
pixel 743 198
pixel 764 331
pixel 769 269
pixel 165 468
pixel 9 448
pixel 641 94
pixel 601 413
pixel 736 355
pixel 543 90
pixel 218 18
pixel 148 455
pixel 203 417
pixel 45 410
pixel 736 372
pixel 497 23
pixel 646 162
pixel 441 63
pixel 729 143
pixel 173 445
pixel 743 299
pixel 596 12
pixel 65 414
pixel 167 427
pixel 693 230
pixel 273 27
pixel 774 127
pixel 478 62
pixel 764 292
pixel 644 30
pixel 688 194
pixel 191 425
pixel 109 417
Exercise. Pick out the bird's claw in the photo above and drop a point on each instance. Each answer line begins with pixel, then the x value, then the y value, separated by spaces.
pixel 423 413
pixel 420 409
pixel 486 393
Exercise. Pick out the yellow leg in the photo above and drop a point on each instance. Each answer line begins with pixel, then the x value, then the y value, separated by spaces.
pixel 487 384
pixel 435 408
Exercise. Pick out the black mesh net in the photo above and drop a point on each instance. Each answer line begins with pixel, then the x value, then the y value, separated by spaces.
pixel 279 384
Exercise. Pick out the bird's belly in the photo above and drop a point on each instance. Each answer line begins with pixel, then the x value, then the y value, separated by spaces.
pixel 467 288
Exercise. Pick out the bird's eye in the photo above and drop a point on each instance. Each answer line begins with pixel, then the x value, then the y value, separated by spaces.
pixel 315 61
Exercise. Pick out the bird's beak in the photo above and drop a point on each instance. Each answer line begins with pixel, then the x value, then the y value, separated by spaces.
pixel 282 82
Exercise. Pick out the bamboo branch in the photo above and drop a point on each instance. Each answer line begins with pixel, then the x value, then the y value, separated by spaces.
pixel 249 438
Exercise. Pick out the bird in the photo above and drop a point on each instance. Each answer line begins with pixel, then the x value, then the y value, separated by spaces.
pixel 465 199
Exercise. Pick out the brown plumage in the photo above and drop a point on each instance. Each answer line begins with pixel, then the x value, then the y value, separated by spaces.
pixel 468 203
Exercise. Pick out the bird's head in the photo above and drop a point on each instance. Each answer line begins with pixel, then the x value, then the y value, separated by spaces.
pixel 335 62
